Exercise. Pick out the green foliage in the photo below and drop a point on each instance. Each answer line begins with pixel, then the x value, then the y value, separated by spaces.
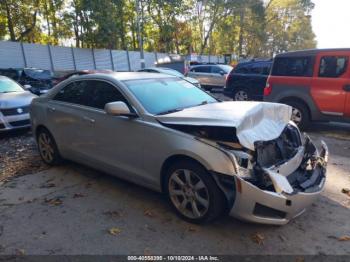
pixel 243 27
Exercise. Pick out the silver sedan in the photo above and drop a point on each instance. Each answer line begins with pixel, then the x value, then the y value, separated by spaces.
pixel 208 157
pixel 14 105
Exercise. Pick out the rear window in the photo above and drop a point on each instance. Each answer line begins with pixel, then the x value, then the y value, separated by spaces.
pixel 332 66
pixel 292 66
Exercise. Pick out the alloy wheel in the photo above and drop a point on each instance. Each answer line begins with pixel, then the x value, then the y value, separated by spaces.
pixel 188 193
pixel 241 96
pixel 296 115
pixel 46 147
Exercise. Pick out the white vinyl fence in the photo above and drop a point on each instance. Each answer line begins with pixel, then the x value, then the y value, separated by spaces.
pixel 56 58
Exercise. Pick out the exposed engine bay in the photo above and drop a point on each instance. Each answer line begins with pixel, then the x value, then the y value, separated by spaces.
pixel 285 164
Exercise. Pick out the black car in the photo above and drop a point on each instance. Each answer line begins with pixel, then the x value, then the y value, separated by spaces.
pixel 39 80
pixel 247 80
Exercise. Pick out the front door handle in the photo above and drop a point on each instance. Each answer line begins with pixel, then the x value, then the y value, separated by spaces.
pixel 88 119
pixel 347 88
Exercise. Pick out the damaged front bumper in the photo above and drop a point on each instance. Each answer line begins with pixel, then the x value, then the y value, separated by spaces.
pixel 294 189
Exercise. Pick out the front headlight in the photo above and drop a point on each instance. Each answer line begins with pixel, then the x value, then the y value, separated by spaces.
pixel 242 163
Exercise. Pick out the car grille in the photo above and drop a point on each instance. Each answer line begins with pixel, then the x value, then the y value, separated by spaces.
pixel 20 123
pixel 15 111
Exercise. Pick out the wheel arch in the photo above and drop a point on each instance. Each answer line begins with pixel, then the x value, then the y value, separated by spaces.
pixel 298 99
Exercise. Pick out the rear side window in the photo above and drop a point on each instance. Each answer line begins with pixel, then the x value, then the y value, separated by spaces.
pixel 332 66
pixel 292 66
pixel 201 69
pixel 245 69
pixel 75 93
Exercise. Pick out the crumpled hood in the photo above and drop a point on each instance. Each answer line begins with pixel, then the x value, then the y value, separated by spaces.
pixel 16 99
pixel 254 121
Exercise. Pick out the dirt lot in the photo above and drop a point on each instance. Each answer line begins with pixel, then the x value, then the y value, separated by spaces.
pixel 75 210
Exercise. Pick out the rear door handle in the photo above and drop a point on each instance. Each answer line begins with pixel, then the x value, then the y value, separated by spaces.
pixel 347 88
pixel 88 119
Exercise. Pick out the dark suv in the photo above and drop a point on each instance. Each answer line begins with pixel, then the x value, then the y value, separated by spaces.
pixel 247 80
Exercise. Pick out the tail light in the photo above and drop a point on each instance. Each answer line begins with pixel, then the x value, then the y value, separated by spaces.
pixel 267 89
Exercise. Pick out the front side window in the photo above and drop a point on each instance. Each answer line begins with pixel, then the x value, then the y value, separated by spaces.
pixel 159 96
pixel 101 93
pixel 216 70
pixel 292 66
pixel 332 66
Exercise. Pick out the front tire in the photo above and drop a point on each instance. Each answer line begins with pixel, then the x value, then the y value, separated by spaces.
pixel 193 193
pixel 47 148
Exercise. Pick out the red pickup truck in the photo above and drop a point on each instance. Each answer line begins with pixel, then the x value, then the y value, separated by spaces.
pixel 316 83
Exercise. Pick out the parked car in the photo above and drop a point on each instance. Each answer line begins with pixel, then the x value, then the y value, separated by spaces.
pixel 172 72
pixel 14 105
pixel 39 80
pixel 159 131
pixel 78 73
pixel 248 80
pixel 316 83
pixel 210 75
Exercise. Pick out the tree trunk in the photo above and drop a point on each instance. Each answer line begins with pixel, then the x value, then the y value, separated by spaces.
pixel 9 22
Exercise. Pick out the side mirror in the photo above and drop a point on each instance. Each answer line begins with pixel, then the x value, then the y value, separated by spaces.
pixel 118 109
pixel 27 87
pixel 222 73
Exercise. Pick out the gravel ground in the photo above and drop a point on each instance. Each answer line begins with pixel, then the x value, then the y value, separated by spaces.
pixel 18 155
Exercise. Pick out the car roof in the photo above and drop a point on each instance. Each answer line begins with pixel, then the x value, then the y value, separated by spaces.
pixel 123 76
pixel 310 52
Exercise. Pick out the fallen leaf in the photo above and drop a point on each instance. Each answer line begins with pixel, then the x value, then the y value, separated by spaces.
pixel 147 252
pixel 258 238
pixel 148 213
pixel 113 214
pixel 54 201
pixel 283 238
pixel 20 252
pixel 192 229
pixel 48 185
pixel 344 238
pixel 346 191
pixel 77 195
pixel 299 259
pixel 114 231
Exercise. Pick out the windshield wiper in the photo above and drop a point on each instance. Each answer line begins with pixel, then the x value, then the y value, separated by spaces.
pixel 170 111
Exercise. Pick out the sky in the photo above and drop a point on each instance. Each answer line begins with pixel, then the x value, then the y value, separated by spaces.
pixel 330 22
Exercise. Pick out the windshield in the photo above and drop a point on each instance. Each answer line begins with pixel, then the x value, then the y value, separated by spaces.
pixel 38 74
pixel 171 72
pixel 164 95
pixel 8 86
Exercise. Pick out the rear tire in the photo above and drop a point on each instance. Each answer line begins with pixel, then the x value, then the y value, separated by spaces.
pixel 193 193
pixel 47 147
pixel 241 94
pixel 300 114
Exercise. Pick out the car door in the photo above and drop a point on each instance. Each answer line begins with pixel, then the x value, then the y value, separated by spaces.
pixel 331 82
pixel 201 73
pixel 218 76
pixel 257 79
pixel 114 143
pixel 64 118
